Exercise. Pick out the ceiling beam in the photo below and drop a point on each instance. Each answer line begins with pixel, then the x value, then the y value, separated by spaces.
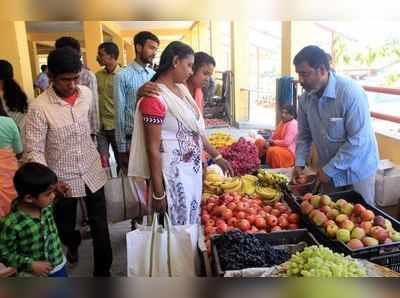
pixel 52 36
pixel 159 32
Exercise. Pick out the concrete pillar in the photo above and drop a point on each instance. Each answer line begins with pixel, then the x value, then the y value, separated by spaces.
pixel 93 36
pixel 34 59
pixel 204 36
pixel 119 41
pixel 240 47
pixel 216 50
pixel 14 49
pixel 130 52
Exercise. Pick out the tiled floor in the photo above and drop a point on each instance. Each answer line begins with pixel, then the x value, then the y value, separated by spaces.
pixel 118 241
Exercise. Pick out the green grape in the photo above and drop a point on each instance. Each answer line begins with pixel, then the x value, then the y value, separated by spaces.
pixel 319 261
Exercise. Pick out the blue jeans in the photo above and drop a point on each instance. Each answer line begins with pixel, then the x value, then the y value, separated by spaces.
pixel 60 273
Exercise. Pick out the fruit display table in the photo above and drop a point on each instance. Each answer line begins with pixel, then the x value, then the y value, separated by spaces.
pixel 362 239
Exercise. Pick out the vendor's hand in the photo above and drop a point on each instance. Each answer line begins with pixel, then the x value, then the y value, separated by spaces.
pixel 63 189
pixel 7 272
pixel 321 176
pixel 297 171
pixel 123 158
pixel 41 268
pixel 225 166
pixel 149 89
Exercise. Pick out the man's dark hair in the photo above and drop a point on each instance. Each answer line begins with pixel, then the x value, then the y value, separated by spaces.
pixel 33 179
pixel 142 36
pixel 68 41
pixel 314 56
pixel 200 59
pixel 64 60
pixel 110 48
pixel 43 67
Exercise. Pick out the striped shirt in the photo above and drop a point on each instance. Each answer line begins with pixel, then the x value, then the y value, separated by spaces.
pixel 88 79
pixel 58 135
pixel 126 85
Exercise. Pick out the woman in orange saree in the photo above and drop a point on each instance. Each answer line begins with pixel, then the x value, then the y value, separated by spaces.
pixel 281 149
pixel 10 148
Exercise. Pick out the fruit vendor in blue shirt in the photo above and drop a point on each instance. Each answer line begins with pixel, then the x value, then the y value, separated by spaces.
pixel 334 115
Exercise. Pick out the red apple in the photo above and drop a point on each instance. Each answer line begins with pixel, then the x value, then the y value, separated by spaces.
pixel 366 225
pixel 379 234
pixel 307 196
pixel 325 200
pixel 346 209
pixel 329 222
pixel 331 230
pixel 306 207
pixel 341 218
pixel 358 209
pixel 293 226
pixel 347 224
pixel 369 241
pixel 320 218
pixel 355 244
pixel 367 215
pixel 332 213
pixel 358 233
pixel 272 220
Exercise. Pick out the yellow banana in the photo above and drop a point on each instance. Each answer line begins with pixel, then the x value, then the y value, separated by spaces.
pixel 266 192
pixel 230 183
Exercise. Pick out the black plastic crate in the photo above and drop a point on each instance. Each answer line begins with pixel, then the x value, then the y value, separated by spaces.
pixel 365 252
pixel 391 261
pixel 289 240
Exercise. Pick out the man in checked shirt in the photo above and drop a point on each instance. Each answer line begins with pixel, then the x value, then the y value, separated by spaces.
pixel 58 135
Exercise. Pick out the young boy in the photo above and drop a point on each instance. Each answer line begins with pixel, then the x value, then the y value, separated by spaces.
pixel 29 239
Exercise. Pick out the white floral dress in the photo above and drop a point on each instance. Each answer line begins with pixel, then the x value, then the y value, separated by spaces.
pixel 181 160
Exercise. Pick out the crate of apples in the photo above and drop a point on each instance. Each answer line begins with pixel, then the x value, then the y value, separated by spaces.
pixel 355 225
pixel 230 211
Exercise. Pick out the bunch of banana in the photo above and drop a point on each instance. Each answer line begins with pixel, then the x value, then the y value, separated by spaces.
pixel 271 179
pixel 232 184
pixel 221 139
pixel 249 184
pixel 268 194
pixel 213 182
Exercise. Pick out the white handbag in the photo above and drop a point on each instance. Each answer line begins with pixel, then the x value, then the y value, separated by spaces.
pixel 158 251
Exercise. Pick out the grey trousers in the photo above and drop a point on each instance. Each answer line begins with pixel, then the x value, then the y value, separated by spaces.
pixel 366 188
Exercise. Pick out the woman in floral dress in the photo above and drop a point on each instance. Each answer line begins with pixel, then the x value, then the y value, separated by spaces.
pixel 168 139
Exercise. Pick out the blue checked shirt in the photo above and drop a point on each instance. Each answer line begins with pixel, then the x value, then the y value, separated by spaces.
pixel 339 125
pixel 126 85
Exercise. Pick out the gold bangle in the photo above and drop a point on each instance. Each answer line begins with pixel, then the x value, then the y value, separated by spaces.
pixel 159 198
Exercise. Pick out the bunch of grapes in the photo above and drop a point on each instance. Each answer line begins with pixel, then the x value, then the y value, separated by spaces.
pixel 319 261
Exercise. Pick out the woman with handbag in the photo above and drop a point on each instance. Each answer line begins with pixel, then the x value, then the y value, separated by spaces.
pixel 168 139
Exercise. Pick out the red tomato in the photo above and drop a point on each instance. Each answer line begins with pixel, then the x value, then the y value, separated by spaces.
pixel 210 206
pixel 232 221
pixel 276 228
pixel 219 221
pixel 244 225
pixel 268 209
pixel 210 230
pixel 260 222
pixel 227 214
pixel 205 218
pixel 275 212
pixel 251 211
pixel 251 218
pixel 253 230
pixel 222 228
pixel 294 218
pixel 231 206
pixel 210 222
pixel 272 220
pixel 262 213
pixel 283 222
pixel 241 215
